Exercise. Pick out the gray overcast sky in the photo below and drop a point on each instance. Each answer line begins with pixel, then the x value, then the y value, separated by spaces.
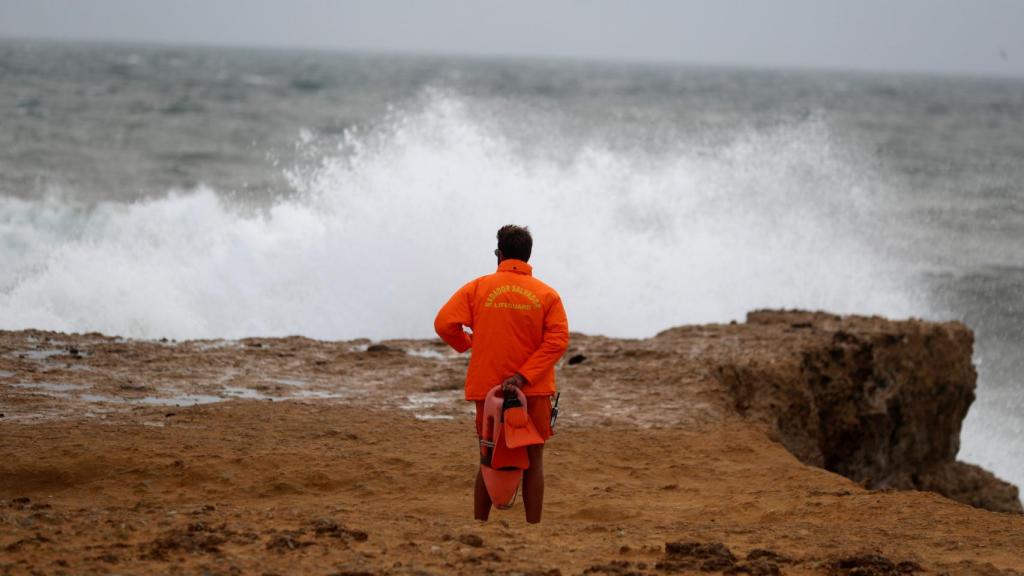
pixel 978 37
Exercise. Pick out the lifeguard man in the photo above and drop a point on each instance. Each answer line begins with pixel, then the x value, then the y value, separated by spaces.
pixel 518 331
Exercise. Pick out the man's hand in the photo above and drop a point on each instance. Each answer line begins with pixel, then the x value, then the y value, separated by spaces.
pixel 512 382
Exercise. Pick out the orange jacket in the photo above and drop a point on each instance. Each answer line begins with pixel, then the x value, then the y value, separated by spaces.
pixel 518 326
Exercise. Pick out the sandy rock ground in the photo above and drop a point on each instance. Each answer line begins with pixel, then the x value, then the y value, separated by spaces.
pixel 286 456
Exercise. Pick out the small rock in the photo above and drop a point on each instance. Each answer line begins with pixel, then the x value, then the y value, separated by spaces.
pixel 759 554
pixel 327 526
pixel 284 542
pixel 577 359
pixel 871 565
pixel 471 540
pixel 378 348
pixel 709 557
pixel 613 568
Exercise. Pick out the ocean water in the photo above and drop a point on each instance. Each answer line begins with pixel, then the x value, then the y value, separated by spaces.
pixel 185 192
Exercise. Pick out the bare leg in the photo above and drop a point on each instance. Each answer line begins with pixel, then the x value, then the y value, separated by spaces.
pixel 533 484
pixel 481 499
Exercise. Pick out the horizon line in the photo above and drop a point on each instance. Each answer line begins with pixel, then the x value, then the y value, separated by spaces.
pixel 521 57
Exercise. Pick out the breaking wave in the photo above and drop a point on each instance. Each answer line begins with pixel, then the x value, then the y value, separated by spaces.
pixel 396 217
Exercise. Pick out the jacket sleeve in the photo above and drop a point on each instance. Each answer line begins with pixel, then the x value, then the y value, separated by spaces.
pixel 553 345
pixel 455 314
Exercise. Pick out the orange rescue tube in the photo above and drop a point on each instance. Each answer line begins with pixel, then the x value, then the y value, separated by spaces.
pixel 501 466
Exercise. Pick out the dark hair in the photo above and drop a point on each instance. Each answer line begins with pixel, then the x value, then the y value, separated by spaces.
pixel 515 242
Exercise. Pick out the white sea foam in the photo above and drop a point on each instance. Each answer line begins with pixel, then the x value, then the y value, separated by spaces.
pixel 385 228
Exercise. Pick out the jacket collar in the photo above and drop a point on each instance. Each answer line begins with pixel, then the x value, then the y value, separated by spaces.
pixel 516 266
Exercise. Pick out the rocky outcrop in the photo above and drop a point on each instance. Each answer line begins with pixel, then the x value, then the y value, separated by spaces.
pixel 878 401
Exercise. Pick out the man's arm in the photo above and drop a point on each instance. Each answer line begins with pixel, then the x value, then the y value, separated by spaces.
pixel 553 345
pixel 455 314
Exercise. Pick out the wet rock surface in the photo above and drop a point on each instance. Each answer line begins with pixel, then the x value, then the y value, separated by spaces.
pixel 871 565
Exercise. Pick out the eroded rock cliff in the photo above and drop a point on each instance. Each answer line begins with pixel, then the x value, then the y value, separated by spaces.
pixel 878 401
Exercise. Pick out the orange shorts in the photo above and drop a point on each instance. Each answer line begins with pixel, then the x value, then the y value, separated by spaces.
pixel 539 409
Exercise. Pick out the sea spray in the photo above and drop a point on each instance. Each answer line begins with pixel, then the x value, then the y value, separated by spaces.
pixel 386 226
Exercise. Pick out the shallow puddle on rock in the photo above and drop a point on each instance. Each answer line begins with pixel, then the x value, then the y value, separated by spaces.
pixel 427 353
pixel 251 394
pixel 180 400
pixel 431 405
pixel 205 345
pixel 38 354
pixel 54 389
pixel 247 393
pixel 427 399
pixel 317 394
pixel 290 381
